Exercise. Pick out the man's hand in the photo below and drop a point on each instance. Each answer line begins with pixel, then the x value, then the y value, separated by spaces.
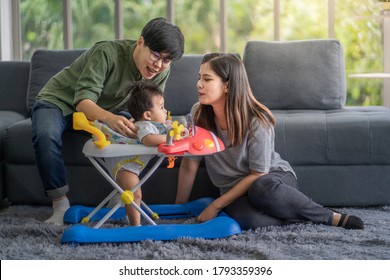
pixel 118 123
pixel 122 125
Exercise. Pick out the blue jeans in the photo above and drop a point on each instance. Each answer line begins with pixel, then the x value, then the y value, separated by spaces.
pixel 274 200
pixel 48 125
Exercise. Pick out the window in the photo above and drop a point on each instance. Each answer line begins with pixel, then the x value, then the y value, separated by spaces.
pixel 137 13
pixel 219 25
pixel 200 23
pixel 358 25
pixel 312 23
pixel 249 21
pixel 41 26
pixel 93 21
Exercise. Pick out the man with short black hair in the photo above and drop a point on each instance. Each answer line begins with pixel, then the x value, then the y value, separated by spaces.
pixel 93 84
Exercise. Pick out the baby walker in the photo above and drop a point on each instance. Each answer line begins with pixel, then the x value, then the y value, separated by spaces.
pixel 198 141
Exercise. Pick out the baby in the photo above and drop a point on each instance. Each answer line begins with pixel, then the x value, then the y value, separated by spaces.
pixel 146 105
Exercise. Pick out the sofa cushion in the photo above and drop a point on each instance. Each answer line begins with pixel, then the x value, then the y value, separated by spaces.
pixel 44 65
pixel 180 90
pixel 348 136
pixel 306 74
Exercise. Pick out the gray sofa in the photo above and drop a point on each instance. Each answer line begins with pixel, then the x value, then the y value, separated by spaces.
pixel 339 153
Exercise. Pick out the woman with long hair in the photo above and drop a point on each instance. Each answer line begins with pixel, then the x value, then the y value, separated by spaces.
pixel 257 187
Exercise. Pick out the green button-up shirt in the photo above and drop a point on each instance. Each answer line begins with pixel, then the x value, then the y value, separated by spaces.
pixel 100 74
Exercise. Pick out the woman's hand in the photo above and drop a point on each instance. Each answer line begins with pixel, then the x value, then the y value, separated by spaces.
pixel 210 212
pixel 239 190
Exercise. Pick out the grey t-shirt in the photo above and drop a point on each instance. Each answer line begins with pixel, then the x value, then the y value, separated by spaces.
pixel 149 127
pixel 256 153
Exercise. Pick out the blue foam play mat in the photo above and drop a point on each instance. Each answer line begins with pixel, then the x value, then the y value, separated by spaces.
pixel 219 227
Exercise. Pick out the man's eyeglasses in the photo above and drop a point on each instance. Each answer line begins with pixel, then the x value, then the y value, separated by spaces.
pixel 155 56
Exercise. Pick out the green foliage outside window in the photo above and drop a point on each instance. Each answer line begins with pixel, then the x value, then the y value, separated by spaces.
pixel 357 26
pixel 93 21
pixel 137 13
pixel 41 25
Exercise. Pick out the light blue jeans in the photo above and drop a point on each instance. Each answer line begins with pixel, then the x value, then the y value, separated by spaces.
pixel 48 125
pixel 274 200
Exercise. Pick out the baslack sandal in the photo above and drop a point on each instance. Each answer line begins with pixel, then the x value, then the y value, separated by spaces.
pixel 350 222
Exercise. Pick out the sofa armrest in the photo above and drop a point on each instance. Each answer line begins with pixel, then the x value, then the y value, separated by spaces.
pixel 13 86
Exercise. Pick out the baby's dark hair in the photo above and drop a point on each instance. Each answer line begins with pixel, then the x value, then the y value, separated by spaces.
pixel 141 98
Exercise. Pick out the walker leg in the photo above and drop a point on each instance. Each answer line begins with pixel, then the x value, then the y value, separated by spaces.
pixel 119 189
pixel 143 214
pixel 153 214
pixel 140 183
pixel 105 175
pixel 149 173
pixel 108 215
pixel 100 206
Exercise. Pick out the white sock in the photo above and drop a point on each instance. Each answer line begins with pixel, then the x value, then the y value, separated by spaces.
pixel 59 209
